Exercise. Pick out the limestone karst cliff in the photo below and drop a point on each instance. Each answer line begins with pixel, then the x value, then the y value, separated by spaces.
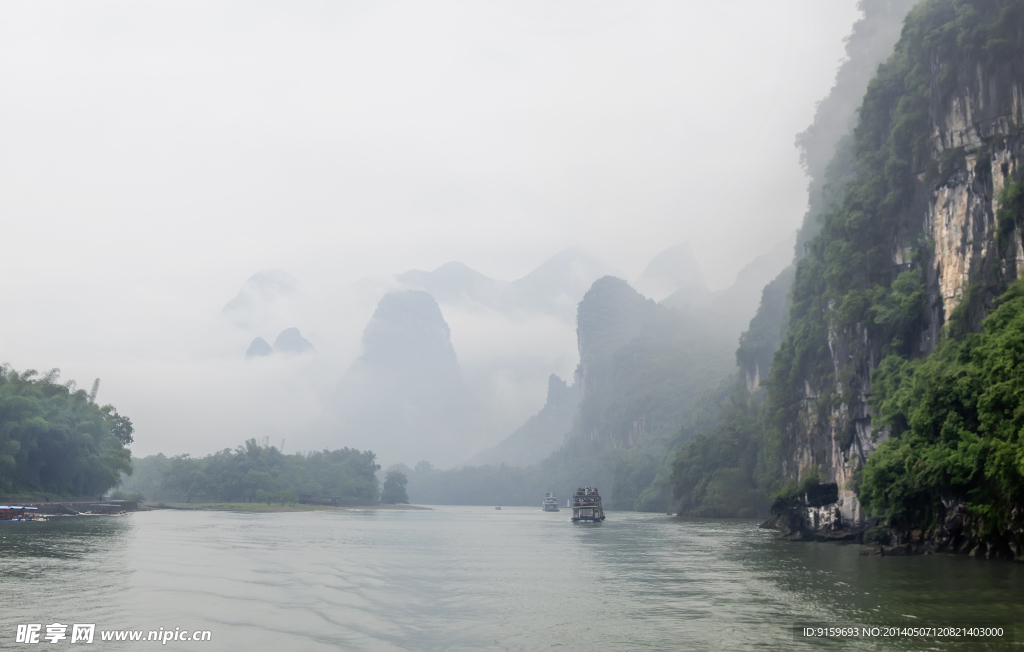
pixel 404 398
pixel 641 364
pixel 826 150
pixel 916 247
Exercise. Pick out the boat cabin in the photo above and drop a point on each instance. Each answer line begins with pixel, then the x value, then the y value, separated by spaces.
pixel 586 505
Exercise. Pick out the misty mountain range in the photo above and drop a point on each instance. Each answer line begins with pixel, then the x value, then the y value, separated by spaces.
pixel 406 396
pixel 553 288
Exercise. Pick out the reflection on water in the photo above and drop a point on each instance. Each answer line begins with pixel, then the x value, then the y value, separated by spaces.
pixel 475 578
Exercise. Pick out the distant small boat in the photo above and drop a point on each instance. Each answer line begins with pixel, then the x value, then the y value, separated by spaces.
pixel 550 503
pixel 586 506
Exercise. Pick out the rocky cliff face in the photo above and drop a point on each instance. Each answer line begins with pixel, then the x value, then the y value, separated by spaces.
pixel 827 153
pixel 975 134
pixel 951 233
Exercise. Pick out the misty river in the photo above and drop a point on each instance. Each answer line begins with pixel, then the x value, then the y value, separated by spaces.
pixel 474 578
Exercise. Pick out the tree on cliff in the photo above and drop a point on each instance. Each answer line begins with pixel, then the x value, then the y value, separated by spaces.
pixel 957 424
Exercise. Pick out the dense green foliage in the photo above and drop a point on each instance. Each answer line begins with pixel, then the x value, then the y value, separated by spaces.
pixel 715 474
pixel 957 425
pixel 394 488
pixel 56 440
pixel 254 473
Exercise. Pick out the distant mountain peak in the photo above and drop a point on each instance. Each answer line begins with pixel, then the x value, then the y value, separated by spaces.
pixel 454 282
pixel 558 284
pixel 258 348
pixel 253 306
pixel 404 397
pixel 673 270
pixel 266 285
pixel 407 326
pixel 290 340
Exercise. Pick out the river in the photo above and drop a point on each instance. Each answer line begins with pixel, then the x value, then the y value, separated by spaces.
pixel 469 578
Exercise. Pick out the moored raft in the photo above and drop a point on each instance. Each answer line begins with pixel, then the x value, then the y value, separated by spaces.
pixel 17 513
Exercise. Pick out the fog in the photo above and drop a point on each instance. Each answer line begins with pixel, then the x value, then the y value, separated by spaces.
pixel 155 156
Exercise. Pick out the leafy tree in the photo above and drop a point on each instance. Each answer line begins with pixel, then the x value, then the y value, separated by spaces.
pixel 55 439
pixel 394 488
pixel 257 473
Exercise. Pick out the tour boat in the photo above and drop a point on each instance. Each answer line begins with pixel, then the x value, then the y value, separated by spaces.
pixel 18 513
pixel 550 503
pixel 586 506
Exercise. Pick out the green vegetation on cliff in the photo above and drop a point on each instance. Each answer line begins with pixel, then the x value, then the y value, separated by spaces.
pixel 254 473
pixel 950 415
pixel 55 440
pixel 716 473
pixel 847 282
pixel 956 422
pixel 852 301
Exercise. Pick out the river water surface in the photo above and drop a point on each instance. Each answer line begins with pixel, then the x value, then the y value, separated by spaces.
pixel 468 578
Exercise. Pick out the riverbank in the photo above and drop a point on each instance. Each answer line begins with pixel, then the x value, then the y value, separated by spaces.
pixel 74 506
pixel 953 530
pixel 263 507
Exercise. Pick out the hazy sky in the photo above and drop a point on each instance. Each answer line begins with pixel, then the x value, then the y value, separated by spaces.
pixel 154 155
